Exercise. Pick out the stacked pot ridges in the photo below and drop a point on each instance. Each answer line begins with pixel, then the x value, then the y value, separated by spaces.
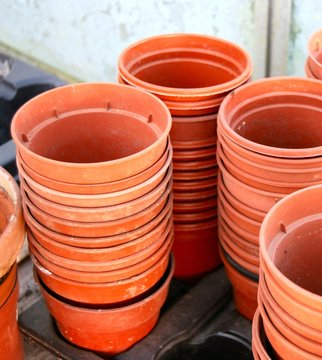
pixel 192 74
pixel 269 145
pixel 95 167
pixel 290 292
pixel 313 64
pixel 12 234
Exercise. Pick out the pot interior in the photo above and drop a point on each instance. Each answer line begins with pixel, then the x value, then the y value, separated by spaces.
pixel 6 210
pixel 284 126
pixel 298 255
pixel 184 69
pixel 91 137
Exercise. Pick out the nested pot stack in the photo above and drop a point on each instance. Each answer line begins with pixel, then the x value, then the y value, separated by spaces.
pixel 95 164
pixel 192 74
pixel 12 234
pixel 290 289
pixel 269 145
pixel 313 65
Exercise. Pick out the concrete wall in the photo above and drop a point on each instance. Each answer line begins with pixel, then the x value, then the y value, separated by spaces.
pixel 83 38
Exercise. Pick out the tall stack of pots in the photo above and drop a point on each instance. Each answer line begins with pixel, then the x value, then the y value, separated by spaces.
pixel 12 234
pixel 290 287
pixel 269 145
pixel 313 65
pixel 95 164
pixel 192 74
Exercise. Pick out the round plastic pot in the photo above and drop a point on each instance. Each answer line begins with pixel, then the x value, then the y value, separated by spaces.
pixel 190 72
pixel 195 249
pixel 281 345
pixel 123 325
pixel 94 189
pixel 197 185
pixel 97 200
pixel 192 196
pixel 287 320
pixel 270 174
pixel 193 145
pixel 85 116
pixel 238 205
pixel 255 198
pixel 195 154
pixel 194 128
pixel 97 214
pixel 98 229
pixel 112 292
pixel 98 242
pixel 194 206
pixel 188 218
pixel 315 54
pixel 244 290
pixel 106 253
pixel 288 105
pixel 194 175
pixel 12 225
pixel 259 350
pixel 7 283
pixel 308 71
pixel 11 343
pixel 290 247
pixel 88 276
pixel 194 165
pixel 102 266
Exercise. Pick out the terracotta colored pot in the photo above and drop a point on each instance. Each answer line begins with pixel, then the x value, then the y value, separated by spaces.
pixel 194 165
pixel 258 347
pixel 193 145
pixel 238 205
pixel 198 185
pixel 195 175
pixel 112 186
pixel 106 253
pixel 315 54
pixel 103 266
pixel 98 229
pixel 195 249
pixel 12 225
pixel 98 214
pixel 190 72
pixel 70 272
pixel 244 290
pixel 308 71
pixel 190 218
pixel 7 283
pixel 238 118
pixel 258 199
pixel 194 128
pixel 290 244
pixel 282 346
pixel 54 117
pixel 192 196
pixel 98 200
pixel 284 316
pixel 194 206
pixel 11 344
pixel 123 325
pixel 98 242
pixel 113 292
pixel 195 154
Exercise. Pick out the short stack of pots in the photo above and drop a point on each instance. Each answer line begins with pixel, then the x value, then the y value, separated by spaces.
pixel 290 287
pixel 192 74
pixel 269 145
pixel 95 165
pixel 313 65
pixel 12 234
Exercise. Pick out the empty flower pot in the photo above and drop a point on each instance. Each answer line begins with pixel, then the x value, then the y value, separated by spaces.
pixel 194 185
pixel 12 225
pixel 192 196
pixel 39 229
pixel 103 293
pixel 194 165
pixel 259 338
pixel 102 188
pixel 194 175
pixel 188 207
pixel 191 73
pixel 195 154
pixel 123 326
pixel 315 54
pixel 125 128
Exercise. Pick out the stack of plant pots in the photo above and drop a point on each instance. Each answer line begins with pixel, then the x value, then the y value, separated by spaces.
pixel 12 234
pixel 313 65
pixel 192 74
pixel 269 145
pixel 290 287
pixel 95 164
